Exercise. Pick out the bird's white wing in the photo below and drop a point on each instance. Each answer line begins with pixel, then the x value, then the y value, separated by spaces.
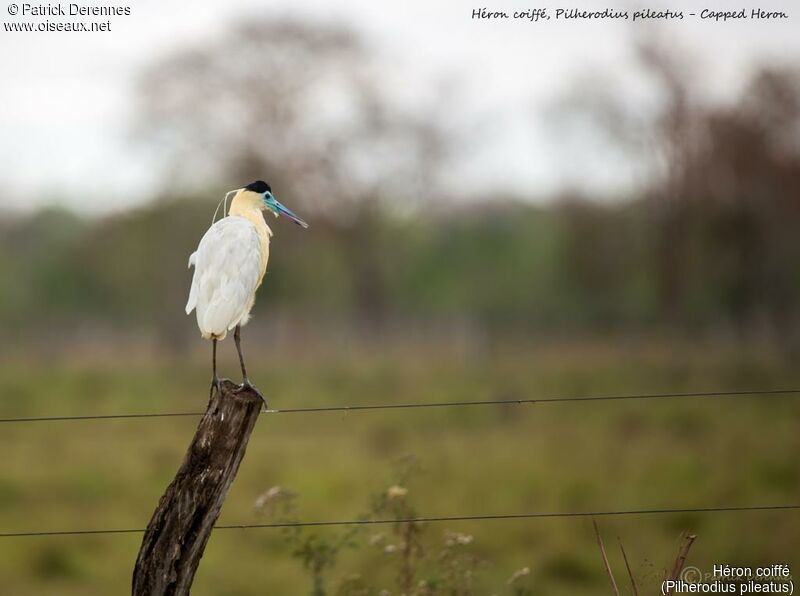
pixel 192 302
pixel 226 275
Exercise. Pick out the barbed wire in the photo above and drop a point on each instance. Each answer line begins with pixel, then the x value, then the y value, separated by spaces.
pixel 441 404
pixel 434 519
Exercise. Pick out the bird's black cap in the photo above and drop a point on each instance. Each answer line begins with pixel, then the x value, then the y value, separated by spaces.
pixel 258 186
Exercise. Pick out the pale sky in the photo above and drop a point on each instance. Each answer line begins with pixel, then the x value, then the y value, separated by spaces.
pixel 66 97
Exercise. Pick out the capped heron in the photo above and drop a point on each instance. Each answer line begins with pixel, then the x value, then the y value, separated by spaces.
pixel 229 265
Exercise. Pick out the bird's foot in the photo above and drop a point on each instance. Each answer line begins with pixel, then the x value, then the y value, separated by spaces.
pixel 248 386
pixel 216 383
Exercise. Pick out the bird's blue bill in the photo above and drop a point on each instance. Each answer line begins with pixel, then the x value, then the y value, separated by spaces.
pixel 279 208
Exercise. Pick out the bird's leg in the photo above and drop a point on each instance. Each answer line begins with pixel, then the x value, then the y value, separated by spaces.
pixel 215 382
pixel 246 384
pixel 237 337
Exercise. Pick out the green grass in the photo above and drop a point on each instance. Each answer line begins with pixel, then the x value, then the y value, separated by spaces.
pixel 583 456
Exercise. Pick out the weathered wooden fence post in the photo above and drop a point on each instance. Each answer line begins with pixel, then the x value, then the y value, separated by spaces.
pixel 181 524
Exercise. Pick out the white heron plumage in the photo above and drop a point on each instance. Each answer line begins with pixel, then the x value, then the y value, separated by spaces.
pixel 229 265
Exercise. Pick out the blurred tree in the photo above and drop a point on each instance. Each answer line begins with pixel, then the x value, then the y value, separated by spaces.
pixel 721 186
pixel 308 108
pixel 706 242
pixel 602 263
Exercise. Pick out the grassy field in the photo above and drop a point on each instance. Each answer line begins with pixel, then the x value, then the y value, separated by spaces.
pixel 527 458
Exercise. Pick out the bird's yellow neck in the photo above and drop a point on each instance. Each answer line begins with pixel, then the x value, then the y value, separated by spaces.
pixel 249 205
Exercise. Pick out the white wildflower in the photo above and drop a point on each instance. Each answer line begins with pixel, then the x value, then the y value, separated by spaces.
pixel 518 574
pixel 396 492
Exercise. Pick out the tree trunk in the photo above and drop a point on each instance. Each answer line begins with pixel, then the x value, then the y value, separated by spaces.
pixel 181 524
